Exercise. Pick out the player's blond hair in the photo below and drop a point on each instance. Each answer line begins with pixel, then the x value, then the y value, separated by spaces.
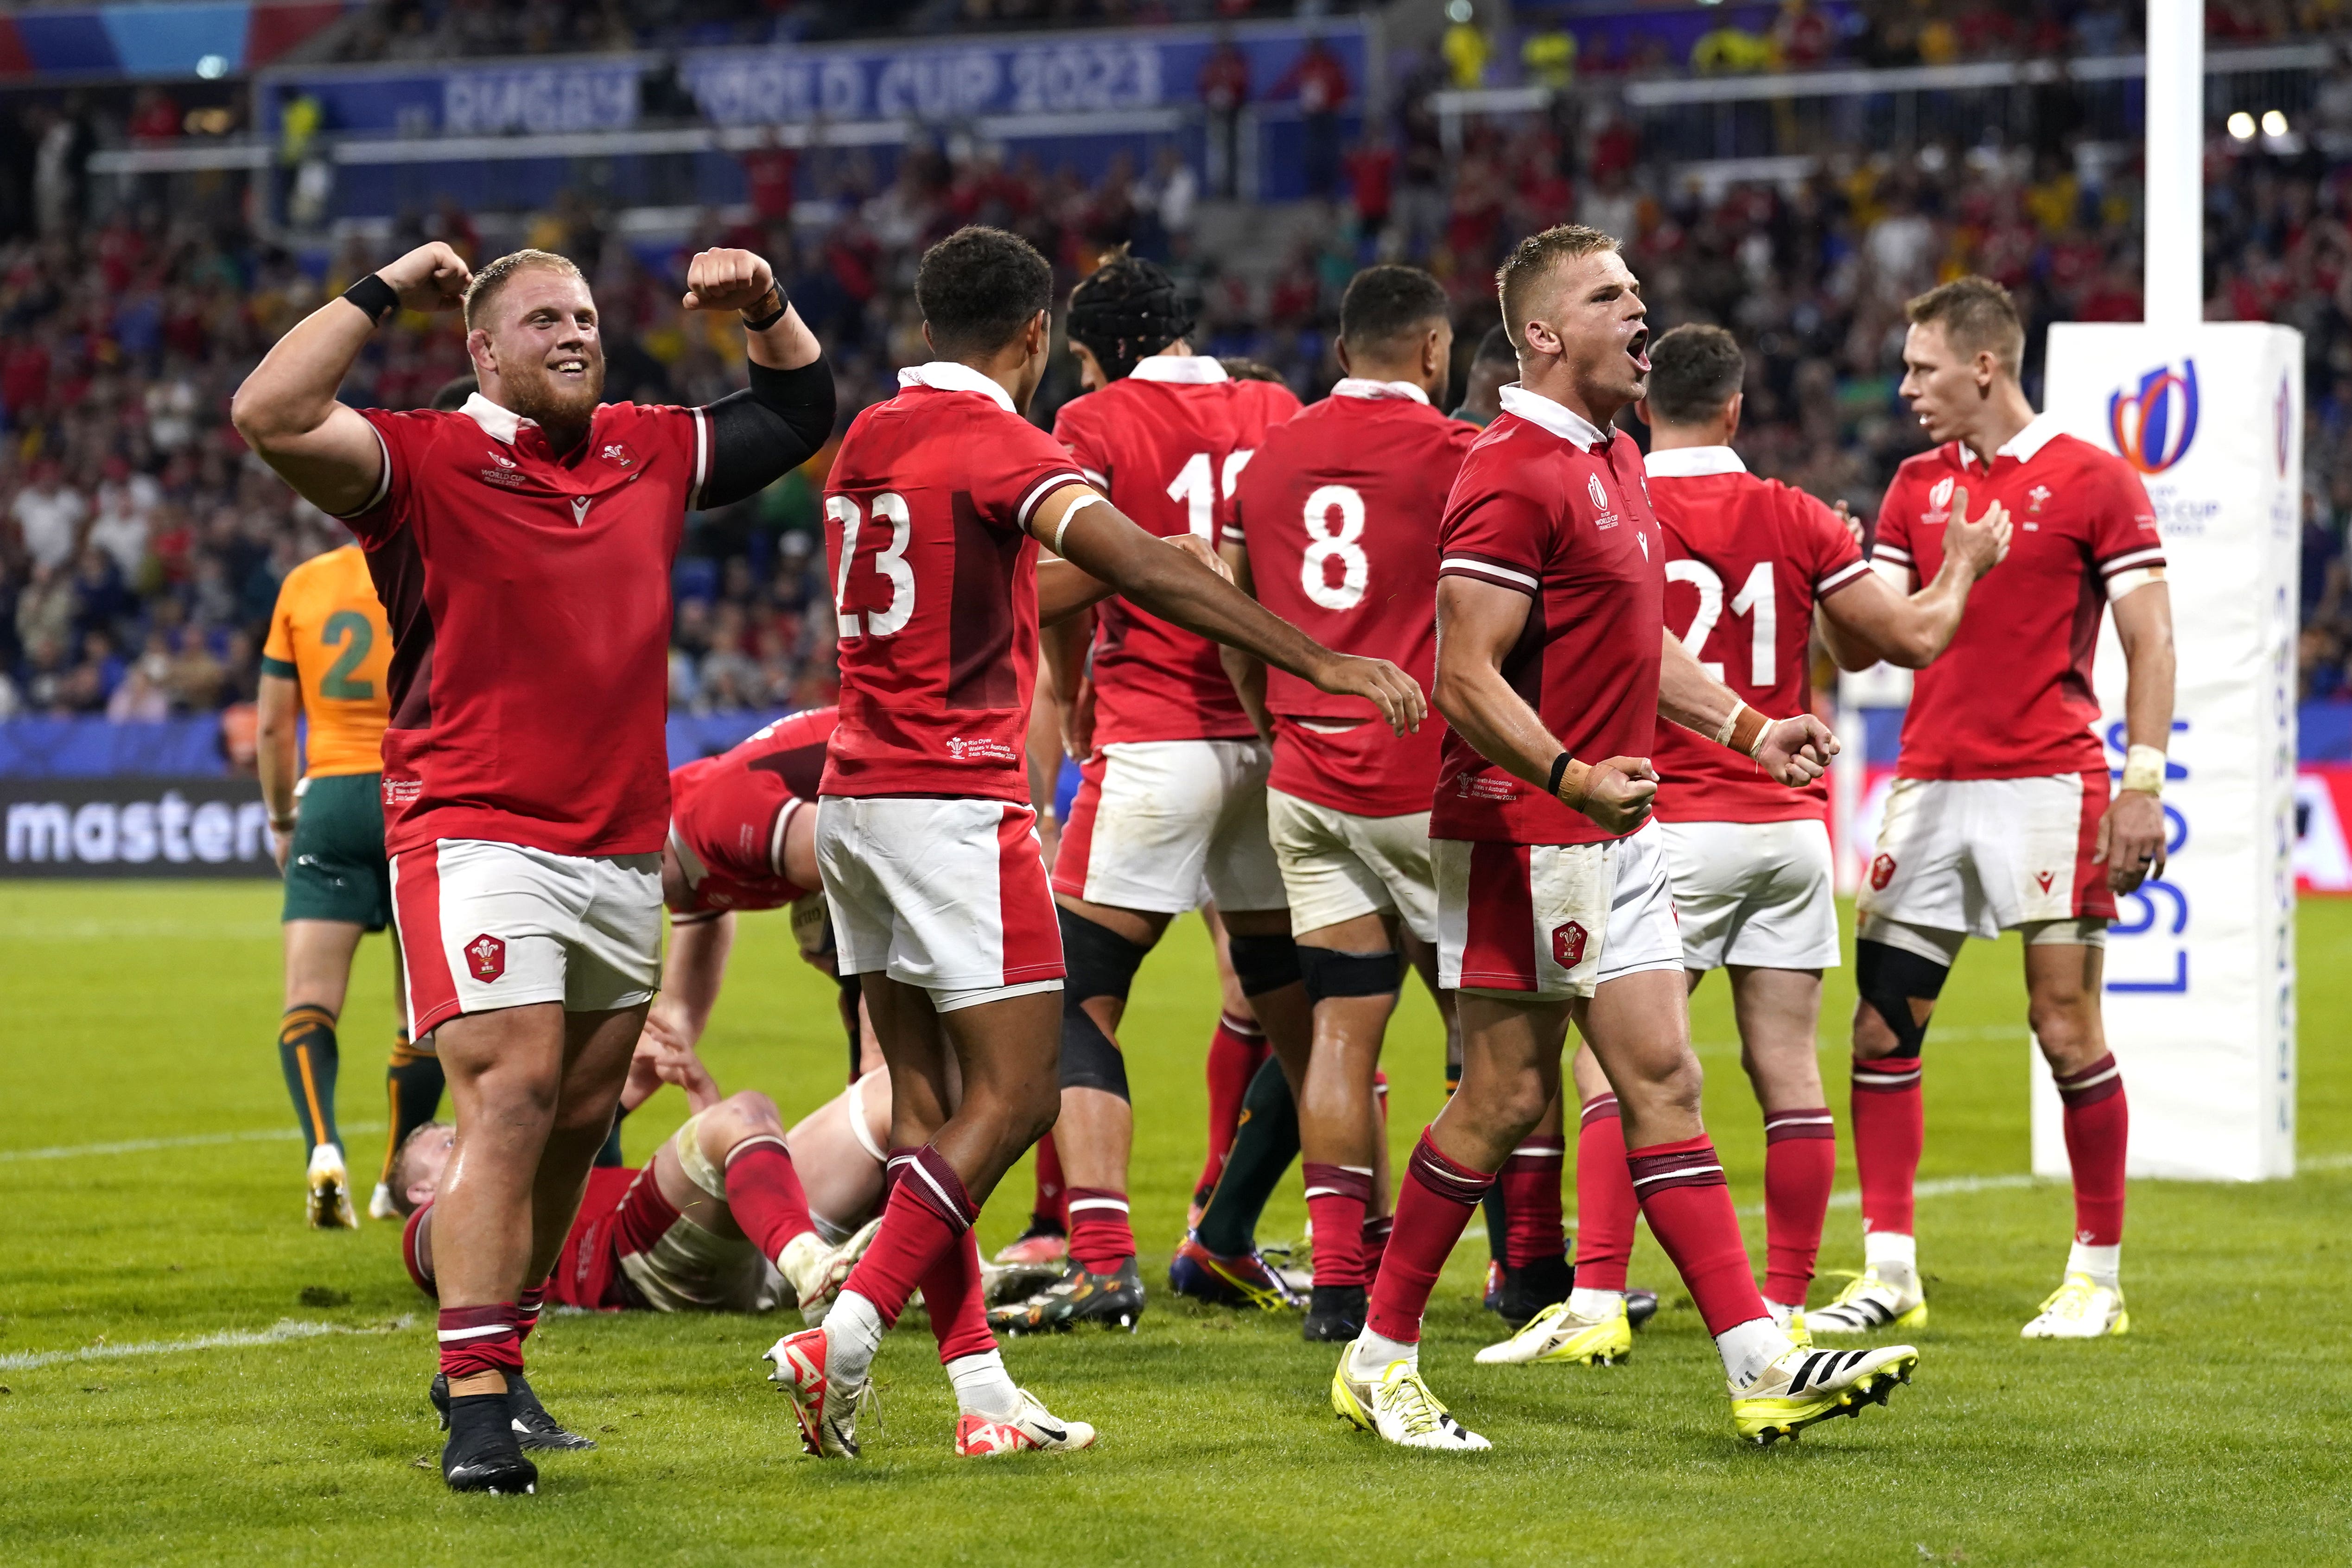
pixel 483 292
pixel 1531 262
pixel 396 1176
pixel 1977 315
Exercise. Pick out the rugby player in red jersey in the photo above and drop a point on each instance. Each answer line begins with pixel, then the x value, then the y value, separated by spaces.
pixel 934 508
pixel 1334 529
pixel 1749 562
pixel 2001 817
pixel 1171 808
pixel 521 546
pixel 1553 666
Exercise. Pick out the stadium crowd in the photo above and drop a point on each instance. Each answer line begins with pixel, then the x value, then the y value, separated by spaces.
pixel 142 548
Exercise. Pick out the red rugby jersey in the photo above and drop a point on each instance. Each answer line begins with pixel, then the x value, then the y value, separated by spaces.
pixel 727 814
pixel 935 585
pixel 529 597
pixel 584 1269
pixel 1338 512
pixel 2011 698
pixel 1550 507
pixel 1747 559
pixel 1166 445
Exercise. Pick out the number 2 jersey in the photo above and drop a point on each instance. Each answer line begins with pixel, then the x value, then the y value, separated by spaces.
pixel 1338 512
pixel 1166 445
pixel 927 513
pixel 2011 698
pixel 328 634
pixel 1747 559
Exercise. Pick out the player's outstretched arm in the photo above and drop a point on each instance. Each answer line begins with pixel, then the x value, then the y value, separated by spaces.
pixel 1247 675
pixel 1077 522
pixel 2132 835
pixel 1478 623
pixel 286 409
pixel 1063 590
pixel 692 972
pixel 1867 619
pixel 778 422
pixel 1794 750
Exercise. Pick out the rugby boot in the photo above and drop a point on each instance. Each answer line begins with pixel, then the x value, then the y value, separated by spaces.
pixel 1397 1407
pixel 1114 1300
pixel 2080 1308
pixel 1557 1334
pixel 328 1206
pixel 1247 1280
pixel 1335 1314
pixel 1030 1429
pixel 482 1453
pixel 1875 1299
pixel 533 1426
pixel 1806 1385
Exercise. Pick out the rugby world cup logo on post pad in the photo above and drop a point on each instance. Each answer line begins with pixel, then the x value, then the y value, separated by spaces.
pixel 2153 426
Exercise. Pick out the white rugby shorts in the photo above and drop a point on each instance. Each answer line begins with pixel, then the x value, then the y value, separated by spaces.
pixel 1339 866
pixel 1551 922
pixel 947 895
pixel 1760 895
pixel 1163 825
pixel 1983 855
pixel 485 926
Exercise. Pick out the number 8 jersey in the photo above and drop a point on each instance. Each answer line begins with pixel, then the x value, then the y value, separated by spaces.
pixel 935 588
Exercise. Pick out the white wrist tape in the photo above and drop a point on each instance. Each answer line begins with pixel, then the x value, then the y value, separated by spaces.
pixel 1080 505
pixel 1730 723
pixel 2144 770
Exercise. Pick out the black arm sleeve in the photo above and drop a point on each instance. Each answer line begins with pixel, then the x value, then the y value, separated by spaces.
pixel 760 434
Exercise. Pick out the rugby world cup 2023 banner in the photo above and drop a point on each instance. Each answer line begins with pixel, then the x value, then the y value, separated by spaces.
pixel 2200 1004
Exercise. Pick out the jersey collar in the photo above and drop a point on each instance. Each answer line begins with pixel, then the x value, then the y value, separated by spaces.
pixel 951 375
pixel 502 424
pixel 1693 462
pixel 1559 418
pixel 1362 386
pixel 1187 370
pixel 2039 431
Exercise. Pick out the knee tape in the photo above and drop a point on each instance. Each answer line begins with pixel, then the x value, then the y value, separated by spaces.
pixel 1888 978
pixel 1090 1059
pixel 1097 960
pixel 1265 964
pixel 1328 972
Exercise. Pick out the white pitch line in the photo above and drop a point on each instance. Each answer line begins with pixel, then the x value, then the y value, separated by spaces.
pixel 280 1333
pixel 194 1141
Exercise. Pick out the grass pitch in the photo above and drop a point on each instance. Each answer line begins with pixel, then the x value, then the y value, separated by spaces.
pixel 288 1419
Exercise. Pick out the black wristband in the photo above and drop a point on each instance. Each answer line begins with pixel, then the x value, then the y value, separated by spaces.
pixel 761 323
pixel 1559 772
pixel 375 297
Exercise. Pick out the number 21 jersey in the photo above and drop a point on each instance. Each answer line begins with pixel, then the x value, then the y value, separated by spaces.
pixel 935 588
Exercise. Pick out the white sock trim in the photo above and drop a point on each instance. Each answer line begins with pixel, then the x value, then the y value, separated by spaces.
pixel 1594 1305
pixel 2102 1264
pixel 1885 1250
pixel 1371 1354
pixel 982 1387
pixel 1748 1348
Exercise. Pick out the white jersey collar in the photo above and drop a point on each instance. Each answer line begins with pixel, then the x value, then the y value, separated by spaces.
pixel 1183 370
pixel 1693 462
pixel 1364 387
pixel 951 375
pixel 2038 433
pixel 1559 418
pixel 501 424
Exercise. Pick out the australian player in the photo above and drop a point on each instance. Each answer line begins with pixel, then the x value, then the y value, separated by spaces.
pixel 1173 800
pixel 1749 564
pixel 1334 527
pixel 936 505
pixel 2001 817
pixel 325 660
pixel 1553 904
pixel 521 546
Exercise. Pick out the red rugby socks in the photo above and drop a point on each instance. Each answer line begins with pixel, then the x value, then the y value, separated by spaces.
pixel 1800 1162
pixel 1889 1130
pixel 1605 1205
pixel 1434 1206
pixel 763 1194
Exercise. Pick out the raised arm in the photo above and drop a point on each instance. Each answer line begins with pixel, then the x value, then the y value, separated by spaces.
pixel 1478 623
pixel 2132 835
pixel 1077 522
pixel 1870 618
pixel 778 422
pixel 286 409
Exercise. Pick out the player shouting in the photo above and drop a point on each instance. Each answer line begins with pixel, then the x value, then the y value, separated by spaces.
pixel 1173 800
pixel 521 546
pixel 2001 817
pixel 934 508
pixel 1749 563
pixel 1552 667
pixel 1334 529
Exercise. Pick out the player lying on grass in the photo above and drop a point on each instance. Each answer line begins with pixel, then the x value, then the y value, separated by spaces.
pixel 1749 565
pixel 937 503
pixel 521 546
pixel 1553 668
pixel 716 1222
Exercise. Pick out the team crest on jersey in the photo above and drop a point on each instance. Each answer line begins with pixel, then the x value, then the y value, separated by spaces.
pixel 1882 871
pixel 486 955
pixel 1568 944
pixel 2039 494
pixel 618 454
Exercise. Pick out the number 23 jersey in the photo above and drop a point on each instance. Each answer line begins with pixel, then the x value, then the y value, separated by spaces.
pixel 935 588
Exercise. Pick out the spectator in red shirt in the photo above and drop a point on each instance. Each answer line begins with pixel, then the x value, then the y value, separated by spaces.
pixel 768 174
pixel 1371 181
pixel 1321 82
pixel 1224 89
